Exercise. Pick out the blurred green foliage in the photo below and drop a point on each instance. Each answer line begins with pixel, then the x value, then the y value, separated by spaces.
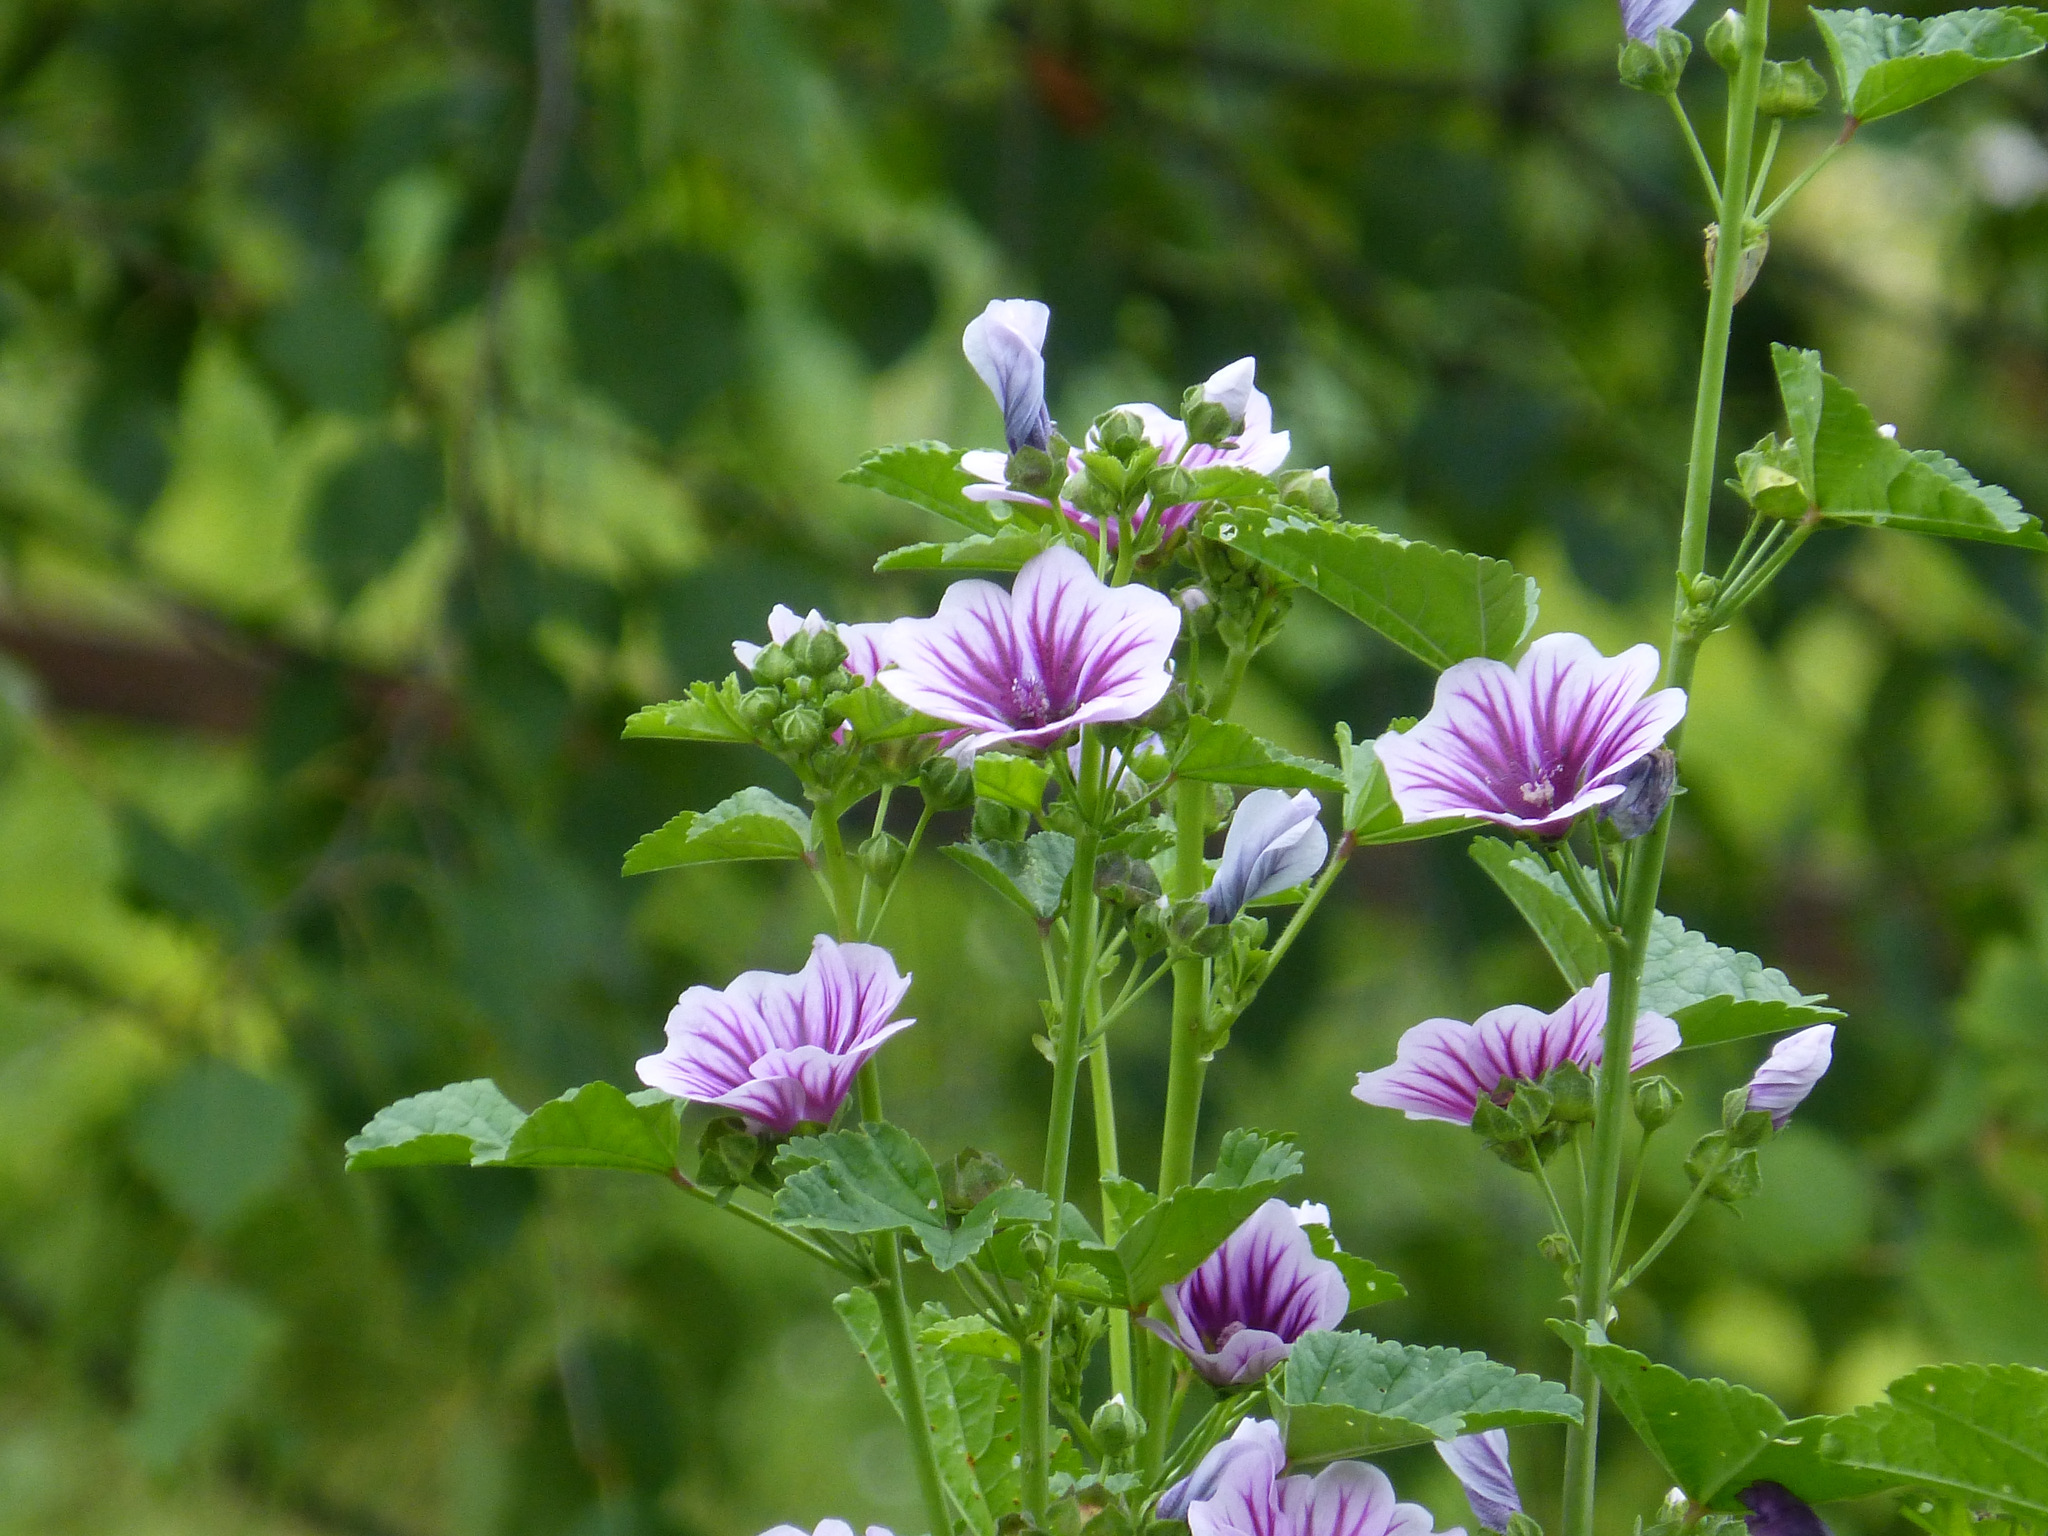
pixel 393 396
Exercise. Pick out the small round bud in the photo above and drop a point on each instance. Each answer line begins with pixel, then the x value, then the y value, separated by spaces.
pixel 1117 1427
pixel 971 1177
pixel 773 667
pixel 801 730
pixel 1768 478
pixel 1123 881
pixel 1792 89
pixel 1655 67
pixel 1725 39
pixel 1148 929
pixel 1656 1100
pixel 945 784
pixel 1192 599
pixel 1037 1248
pixel 1031 470
pixel 1310 489
pixel 881 856
pixel 1187 918
pixel 1170 485
pixel 816 652
pixel 1208 421
pixel 1119 433
pixel 995 822
pixel 759 707
pixel 1556 1247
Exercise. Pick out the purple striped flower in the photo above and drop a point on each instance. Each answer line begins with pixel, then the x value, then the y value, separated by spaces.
pixel 1256 1440
pixel 1532 745
pixel 1644 19
pixel 1249 1497
pixel 1796 1064
pixel 1276 841
pixel 1443 1068
pixel 1481 1463
pixel 1256 447
pixel 863 642
pixel 1024 667
pixel 1006 345
pixel 825 1528
pixel 1240 1312
pixel 782 1049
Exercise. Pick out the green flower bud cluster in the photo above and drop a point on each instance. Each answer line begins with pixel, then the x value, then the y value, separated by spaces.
pixel 1791 89
pixel 970 1178
pixel 1246 602
pixel 1725 1161
pixel 1535 1120
pixel 1208 421
pixel 1769 478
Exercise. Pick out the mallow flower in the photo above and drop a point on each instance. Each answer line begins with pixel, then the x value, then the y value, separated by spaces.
pixel 1256 447
pixel 780 1049
pixel 1248 1497
pixel 1789 1073
pixel 1005 343
pixel 1532 745
pixel 825 1528
pixel 1442 1068
pixel 1276 841
pixel 1644 19
pixel 1239 1313
pixel 863 642
pixel 1022 668
pixel 1255 1440
pixel 1481 1464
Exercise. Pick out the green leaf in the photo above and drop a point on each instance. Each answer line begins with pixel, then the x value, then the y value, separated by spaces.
pixel 878 1179
pixel 710 713
pixel 1018 782
pixel 753 824
pixel 1217 752
pixel 1886 64
pixel 876 714
pixel 597 1126
pixel 1350 1394
pixel 974 1335
pixel 926 475
pixel 1972 1432
pixel 1539 894
pixel 1127 1198
pixel 1437 604
pixel 1368 1284
pixel 1265 1158
pixel 1860 478
pixel 1032 874
pixel 1370 815
pixel 1231 482
pixel 1718 994
pixel 462 1123
pixel 1004 551
pixel 1168 1241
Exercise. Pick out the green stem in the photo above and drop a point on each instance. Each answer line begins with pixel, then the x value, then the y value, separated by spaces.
pixel 1678 1224
pixel 1777 204
pixel 1126 550
pixel 924 820
pixel 1310 902
pixel 754 1218
pixel 1635 1186
pixel 1564 1227
pixel 1109 1163
pixel 1763 170
pixel 1596 1245
pixel 1699 154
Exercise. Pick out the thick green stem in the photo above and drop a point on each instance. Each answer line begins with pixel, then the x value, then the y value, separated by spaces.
pixel 1593 1293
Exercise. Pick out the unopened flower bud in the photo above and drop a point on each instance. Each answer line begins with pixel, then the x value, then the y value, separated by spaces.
pixel 945 784
pixel 1792 89
pixel 1745 1127
pixel 1123 881
pixel 1090 494
pixel 1187 918
pixel 971 1177
pixel 759 707
pixel 773 667
pixel 727 1152
pixel 881 856
pixel 1646 787
pixel 995 822
pixel 1556 1247
pixel 815 652
pixel 802 730
pixel 1120 433
pixel 1149 929
pixel 1192 599
pixel 1031 470
pixel 1655 67
pixel 1170 485
pixel 1037 1248
pixel 1117 1427
pixel 1530 1107
pixel 1656 1100
pixel 1308 488
pixel 1571 1094
pixel 1725 39
pixel 1208 421
pixel 1767 476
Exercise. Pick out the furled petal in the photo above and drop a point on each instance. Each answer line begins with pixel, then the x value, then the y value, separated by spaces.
pixel 1231 386
pixel 1257 1442
pixel 778 1048
pixel 1481 1463
pixel 1789 1074
pixel 1237 1315
pixel 1442 1067
pixel 864 654
pixel 1644 19
pixel 1533 745
pixel 1276 841
pixel 1775 1510
pixel 1062 649
pixel 1006 345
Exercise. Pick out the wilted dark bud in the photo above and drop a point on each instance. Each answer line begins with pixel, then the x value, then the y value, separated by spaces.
pixel 971 1178
pixel 727 1152
pixel 1725 38
pixel 801 730
pixel 1208 421
pixel 1646 787
pixel 945 784
pixel 1032 470
pixel 1123 881
pixel 816 652
pixel 1571 1094
pixel 995 822
pixel 1746 1127
pixel 1656 1101
pixel 1120 433
pixel 773 667
pixel 1767 477
pixel 1017 1523
pixel 759 707
pixel 1149 929
pixel 1117 1426
pixel 1655 67
pixel 881 856
pixel 1754 249
pixel 1793 89
pixel 1308 488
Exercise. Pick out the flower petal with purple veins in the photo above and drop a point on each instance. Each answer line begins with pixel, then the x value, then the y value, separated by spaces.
pixel 1442 1068
pixel 1005 343
pixel 1275 842
pixel 781 1049
pixel 863 642
pixel 1481 1464
pixel 1796 1064
pixel 1256 1440
pixel 1025 667
pixel 1533 745
pixel 1239 1313
pixel 1644 19
pixel 1347 1498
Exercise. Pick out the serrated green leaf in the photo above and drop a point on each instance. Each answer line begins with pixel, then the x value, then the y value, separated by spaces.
pixel 1370 815
pixel 1245 1157
pixel 1004 551
pixel 1540 895
pixel 461 1123
pixel 876 714
pixel 974 1335
pixel 1973 1432
pixel 1018 782
pixel 1127 1198
pixel 1350 1394
pixel 596 1126
pixel 1217 752
pixel 1031 874
pixel 1171 1239
pixel 1440 605
pixel 878 1179
pixel 753 824
pixel 1368 1284
pixel 709 713
pixel 927 475
pixel 1231 482
pixel 1716 994
pixel 1886 64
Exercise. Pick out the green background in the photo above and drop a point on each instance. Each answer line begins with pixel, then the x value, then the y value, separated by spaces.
pixel 392 396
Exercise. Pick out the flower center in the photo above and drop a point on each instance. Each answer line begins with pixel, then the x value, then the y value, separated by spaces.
pixel 1028 702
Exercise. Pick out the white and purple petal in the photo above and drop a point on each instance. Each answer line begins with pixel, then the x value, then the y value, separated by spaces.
pixel 1347 1498
pixel 1275 842
pixel 1644 19
pixel 1481 1464
pixel 1005 343
pixel 864 654
pixel 1257 1442
pixel 825 1528
pixel 1796 1064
